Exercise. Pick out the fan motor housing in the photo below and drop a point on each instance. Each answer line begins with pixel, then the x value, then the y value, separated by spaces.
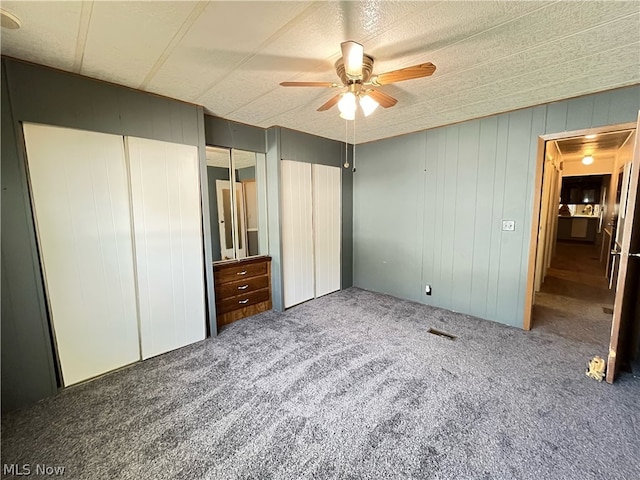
pixel 367 68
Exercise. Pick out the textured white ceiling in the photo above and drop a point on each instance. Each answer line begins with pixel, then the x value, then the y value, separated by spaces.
pixel 491 56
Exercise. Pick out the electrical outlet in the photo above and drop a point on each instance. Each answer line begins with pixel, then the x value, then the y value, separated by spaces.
pixel 508 225
pixel 427 289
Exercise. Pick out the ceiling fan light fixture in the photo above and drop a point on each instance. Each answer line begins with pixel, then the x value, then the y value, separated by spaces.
pixel 587 160
pixel 347 106
pixel 348 115
pixel 368 104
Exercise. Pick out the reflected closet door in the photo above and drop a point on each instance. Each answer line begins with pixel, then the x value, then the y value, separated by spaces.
pixel 80 198
pixel 165 198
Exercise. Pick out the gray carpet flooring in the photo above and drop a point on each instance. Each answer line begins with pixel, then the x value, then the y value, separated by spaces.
pixel 348 386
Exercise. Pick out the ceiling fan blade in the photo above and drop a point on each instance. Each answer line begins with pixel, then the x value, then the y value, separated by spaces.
pixel 332 101
pixel 352 56
pixel 382 98
pixel 408 73
pixel 309 84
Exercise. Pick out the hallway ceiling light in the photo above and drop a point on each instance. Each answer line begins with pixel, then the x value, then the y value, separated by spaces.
pixel 587 160
pixel 591 136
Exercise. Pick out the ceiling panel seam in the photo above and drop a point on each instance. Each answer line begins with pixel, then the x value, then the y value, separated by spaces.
pixel 281 31
pixel 182 31
pixel 83 32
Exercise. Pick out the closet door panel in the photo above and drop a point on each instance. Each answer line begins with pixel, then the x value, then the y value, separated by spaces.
pixel 80 197
pixel 165 198
pixel 297 232
pixel 326 228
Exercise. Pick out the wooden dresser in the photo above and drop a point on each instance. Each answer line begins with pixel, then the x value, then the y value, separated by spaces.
pixel 243 288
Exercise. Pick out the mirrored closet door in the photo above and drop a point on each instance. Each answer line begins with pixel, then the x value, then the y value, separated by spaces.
pixel 238 215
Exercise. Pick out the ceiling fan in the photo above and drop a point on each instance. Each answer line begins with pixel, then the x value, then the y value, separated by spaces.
pixel 355 70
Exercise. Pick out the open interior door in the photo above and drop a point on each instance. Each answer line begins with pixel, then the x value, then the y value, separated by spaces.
pixel 625 328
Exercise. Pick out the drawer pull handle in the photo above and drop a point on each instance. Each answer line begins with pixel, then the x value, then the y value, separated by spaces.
pixel 244 301
pixel 244 272
pixel 243 287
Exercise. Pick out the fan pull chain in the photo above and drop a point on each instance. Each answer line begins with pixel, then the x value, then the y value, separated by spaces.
pixel 354 144
pixel 346 144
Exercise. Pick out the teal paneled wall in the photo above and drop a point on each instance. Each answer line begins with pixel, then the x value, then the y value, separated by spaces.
pixel 428 206
pixel 387 215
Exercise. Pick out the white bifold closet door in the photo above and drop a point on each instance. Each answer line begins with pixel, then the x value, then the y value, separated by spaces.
pixel 297 232
pixel 80 197
pixel 165 199
pixel 311 217
pixel 327 216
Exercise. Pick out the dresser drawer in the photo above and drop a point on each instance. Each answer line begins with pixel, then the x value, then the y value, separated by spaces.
pixel 234 273
pixel 242 301
pixel 244 286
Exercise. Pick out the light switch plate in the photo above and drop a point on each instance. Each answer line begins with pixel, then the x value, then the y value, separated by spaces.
pixel 508 225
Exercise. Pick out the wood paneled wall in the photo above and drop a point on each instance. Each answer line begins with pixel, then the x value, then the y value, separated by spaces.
pixel 428 207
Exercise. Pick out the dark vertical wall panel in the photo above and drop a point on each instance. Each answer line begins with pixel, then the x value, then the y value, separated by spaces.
pixel 475 174
pixel 27 357
pixel 57 98
pixel 387 185
pixel 465 225
pixel 204 204
pixel 579 109
pixel 513 208
pixel 556 117
pixel 346 250
pixel 303 147
pixel 273 208
pixel 227 133
pixel 450 193
pixel 623 106
pixel 42 95
pixel 495 248
pixel 485 227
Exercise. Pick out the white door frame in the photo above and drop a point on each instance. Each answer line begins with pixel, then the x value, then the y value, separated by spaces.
pixel 535 217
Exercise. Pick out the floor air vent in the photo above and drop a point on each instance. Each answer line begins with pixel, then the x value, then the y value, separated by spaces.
pixel 607 310
pixel 440 333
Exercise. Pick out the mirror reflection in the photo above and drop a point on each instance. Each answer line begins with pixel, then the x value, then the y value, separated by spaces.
pixel 238 214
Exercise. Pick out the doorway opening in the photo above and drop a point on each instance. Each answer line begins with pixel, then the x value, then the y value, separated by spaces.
pixel 583 179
